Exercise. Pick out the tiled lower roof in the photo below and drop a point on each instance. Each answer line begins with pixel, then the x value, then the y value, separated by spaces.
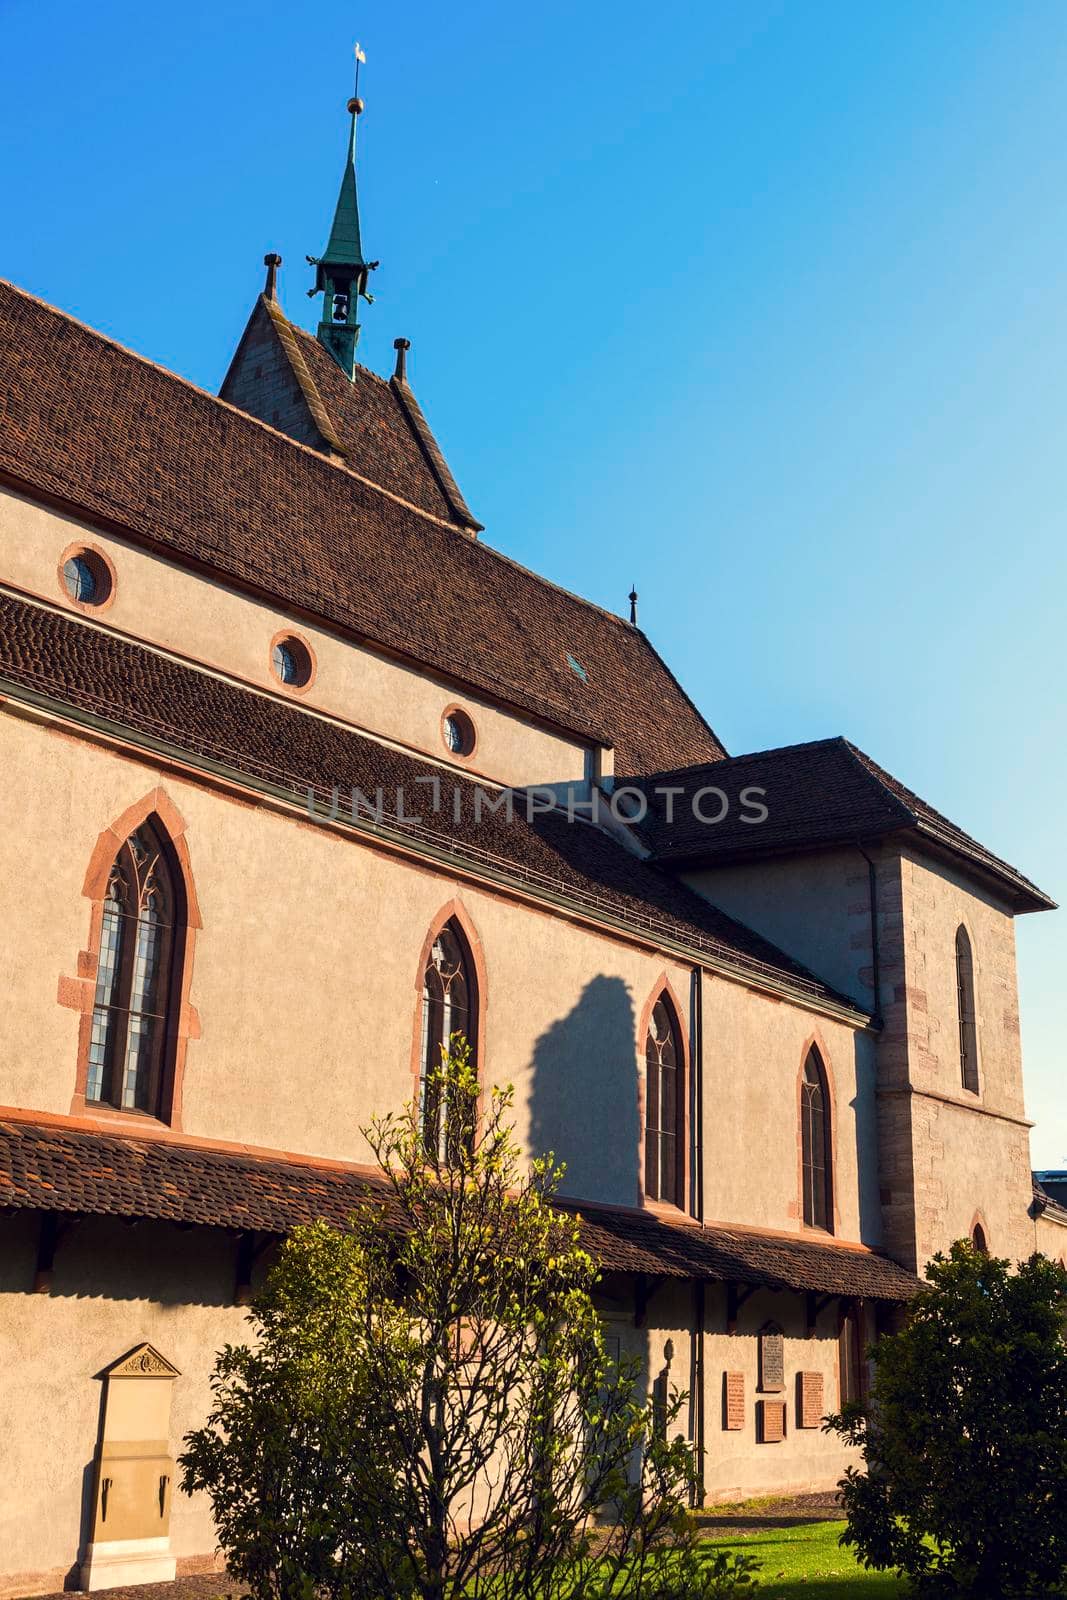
pixel 211 720
pixel 53 1167
pixel 823 793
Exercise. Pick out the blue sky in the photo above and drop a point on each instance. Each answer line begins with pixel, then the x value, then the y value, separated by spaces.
pixel 762 306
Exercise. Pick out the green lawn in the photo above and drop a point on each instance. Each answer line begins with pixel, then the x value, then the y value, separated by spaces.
pixel 808 1561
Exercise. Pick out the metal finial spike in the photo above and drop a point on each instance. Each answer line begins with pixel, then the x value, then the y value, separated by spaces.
pixel 272 262
pixel 401 346
pixel 633 606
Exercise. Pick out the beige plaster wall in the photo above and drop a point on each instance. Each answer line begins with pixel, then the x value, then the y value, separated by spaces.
pixel 754 1051
pixel 736 1463
pixel 306 981
pixel 816 907
pixel 195 617
pixel 1050 1236
pixel 114 1287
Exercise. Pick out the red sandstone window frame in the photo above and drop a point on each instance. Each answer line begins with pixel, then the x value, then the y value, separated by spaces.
pixel 105 573
pixel 288 637
pixel 967 1012
pixel 663 994
pixel 78 993
pixel 808 1170
pixel 455 917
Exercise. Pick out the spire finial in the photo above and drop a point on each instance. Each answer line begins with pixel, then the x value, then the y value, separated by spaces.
pixel 272 262
pixel 341 272
pixel 401 346
pixel 633 606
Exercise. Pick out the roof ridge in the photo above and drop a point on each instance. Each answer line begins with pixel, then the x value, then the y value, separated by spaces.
pixel 303 374
pixel 742 755
pixel 870 767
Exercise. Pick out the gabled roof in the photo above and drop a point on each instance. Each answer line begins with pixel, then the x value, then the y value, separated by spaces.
pixel 127 445
pixel 275 744
pixel 50 1166
pixel 365 421
pixel 817 795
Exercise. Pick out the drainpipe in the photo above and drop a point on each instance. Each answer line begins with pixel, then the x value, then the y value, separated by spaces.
pixel 872 892
pixel 696 1056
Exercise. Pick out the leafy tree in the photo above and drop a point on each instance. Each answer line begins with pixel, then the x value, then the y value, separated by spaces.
pixel 965 1435
pixel 428 1409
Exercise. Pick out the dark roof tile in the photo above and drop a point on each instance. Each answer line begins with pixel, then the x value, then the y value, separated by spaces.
pixel 99 429
pixel 44 1166
pixel 816 795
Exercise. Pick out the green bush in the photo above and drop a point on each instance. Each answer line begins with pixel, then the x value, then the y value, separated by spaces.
pixel 428 1409
pixel 964 1437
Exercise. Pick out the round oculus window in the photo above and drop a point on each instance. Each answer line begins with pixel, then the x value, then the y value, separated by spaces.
pixel 291 661
pixel 458 732
pixel 86 578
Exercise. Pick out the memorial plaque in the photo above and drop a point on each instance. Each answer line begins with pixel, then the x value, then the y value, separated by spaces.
pixel 733 1411
pixel 771 1358
pixel 810 1408
pixel 771 1421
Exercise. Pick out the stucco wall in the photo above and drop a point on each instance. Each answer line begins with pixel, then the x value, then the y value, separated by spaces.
pixel 306 985
pixel 816 907
pixel 754 1052
pixel 736 1463
pixel 114 1287
pixel 217 627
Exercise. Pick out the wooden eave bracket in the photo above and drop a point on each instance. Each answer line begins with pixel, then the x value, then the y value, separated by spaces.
pixel 735 1299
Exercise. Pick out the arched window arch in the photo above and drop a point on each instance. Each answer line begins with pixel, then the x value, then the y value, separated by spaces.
pixel 142 923
pixel 449 1005
pixel 978 1238
pixel 664 1106
pixel 816 1164
pixel 966 1011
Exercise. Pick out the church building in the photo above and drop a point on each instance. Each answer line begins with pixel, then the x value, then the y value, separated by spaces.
pixel 301 775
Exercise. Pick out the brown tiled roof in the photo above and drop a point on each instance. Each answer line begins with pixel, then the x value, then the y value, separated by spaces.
pixel 50 1167
pixel 820 794
pixel 272 741
pixel 382 421
pixel 125 443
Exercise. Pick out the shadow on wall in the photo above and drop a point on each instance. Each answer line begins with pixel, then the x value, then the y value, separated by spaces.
pixel 583 1095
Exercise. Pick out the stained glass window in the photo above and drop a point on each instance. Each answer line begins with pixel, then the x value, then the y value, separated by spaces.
pixel 663 1107
pixel 133 977
pixel 447 1008
pixel 815 1144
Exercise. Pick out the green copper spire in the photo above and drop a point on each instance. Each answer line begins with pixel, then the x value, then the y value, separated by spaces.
pixel 341 272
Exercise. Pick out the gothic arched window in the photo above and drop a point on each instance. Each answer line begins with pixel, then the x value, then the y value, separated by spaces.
pixel 978 1239
pixel 138 935
pixel 965 1008
pixel 448 1007
pixel 664 1107
pixel 815 1146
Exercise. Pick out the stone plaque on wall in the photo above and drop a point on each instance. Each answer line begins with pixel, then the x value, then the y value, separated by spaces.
pixel 771 1421
pixel 771 1358
pixel 810 1406
pixel 733 1405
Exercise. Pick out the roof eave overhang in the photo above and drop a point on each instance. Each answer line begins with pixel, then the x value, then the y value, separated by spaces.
pixel 1019 896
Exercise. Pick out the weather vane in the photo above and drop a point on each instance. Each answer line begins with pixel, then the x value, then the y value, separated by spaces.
pixel 360 57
